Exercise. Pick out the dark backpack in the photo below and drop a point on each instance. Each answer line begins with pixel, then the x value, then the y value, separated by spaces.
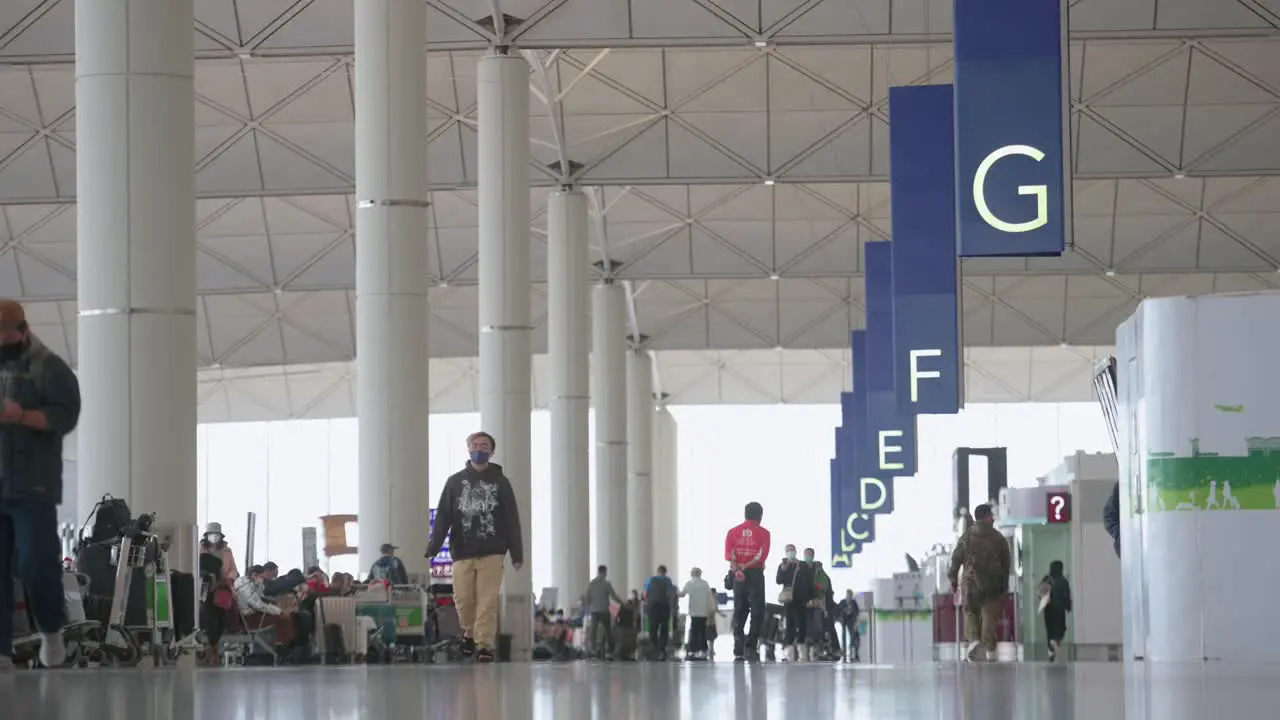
pixel 659 592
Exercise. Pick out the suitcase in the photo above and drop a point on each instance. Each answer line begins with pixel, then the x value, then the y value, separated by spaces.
pixel 339 611
pixel 75 598
pixel 183 592
pixel 335 651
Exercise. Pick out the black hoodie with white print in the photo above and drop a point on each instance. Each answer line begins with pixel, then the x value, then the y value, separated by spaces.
pixel 478 513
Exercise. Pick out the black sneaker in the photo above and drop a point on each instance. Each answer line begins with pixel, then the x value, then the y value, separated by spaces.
pixel 468 647
pixel 485 655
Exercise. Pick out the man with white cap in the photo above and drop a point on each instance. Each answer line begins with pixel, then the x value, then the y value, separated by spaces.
pixel 39 406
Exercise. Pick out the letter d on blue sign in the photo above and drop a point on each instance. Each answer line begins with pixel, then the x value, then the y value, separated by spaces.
pixel 927 366
pixel 1012 126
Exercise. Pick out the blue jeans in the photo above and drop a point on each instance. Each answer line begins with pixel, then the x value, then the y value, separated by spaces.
pixel 29 536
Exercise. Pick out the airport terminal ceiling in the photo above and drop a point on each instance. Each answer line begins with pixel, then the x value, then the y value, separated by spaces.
pixel 735 153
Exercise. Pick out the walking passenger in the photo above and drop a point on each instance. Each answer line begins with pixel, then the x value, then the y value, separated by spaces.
pixel 477 512
pixel 659 598
pixel 849 612
pixel 39 406
pixel 796 579
pixel 746 548
pixel 596 603
pixel 1057 591
pixel 983 553
pixel 1111 517
pixel 701 606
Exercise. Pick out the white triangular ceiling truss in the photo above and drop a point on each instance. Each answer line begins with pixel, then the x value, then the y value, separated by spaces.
pixel 735 154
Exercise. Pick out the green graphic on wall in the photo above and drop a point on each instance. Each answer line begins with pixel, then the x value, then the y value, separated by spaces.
pixel 1208 481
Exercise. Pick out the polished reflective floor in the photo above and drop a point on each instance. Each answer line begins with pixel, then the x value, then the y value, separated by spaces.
pixel 583 691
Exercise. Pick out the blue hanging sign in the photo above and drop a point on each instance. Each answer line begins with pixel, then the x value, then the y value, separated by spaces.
pixel 851 528
pixel 927 365
pixel 1012 125
pixel 890 434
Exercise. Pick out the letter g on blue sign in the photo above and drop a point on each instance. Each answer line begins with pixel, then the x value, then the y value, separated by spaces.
pixel 1013 174
pixel 1039 192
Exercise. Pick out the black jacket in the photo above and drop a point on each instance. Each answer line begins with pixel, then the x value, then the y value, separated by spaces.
pixel 478 512
pixel 31 460
pixel 1059 593
pixel 1111 516
pixel 800 578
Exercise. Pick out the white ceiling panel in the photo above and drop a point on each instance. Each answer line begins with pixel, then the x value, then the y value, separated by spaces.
pixel 735 153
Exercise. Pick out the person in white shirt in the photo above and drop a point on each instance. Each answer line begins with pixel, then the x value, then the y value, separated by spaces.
pixel 259 613
pixel 249 594
pixel 700 604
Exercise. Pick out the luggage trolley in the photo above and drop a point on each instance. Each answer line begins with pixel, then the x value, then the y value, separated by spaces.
pixel 410 606
pixel 444 629
pixel 143 551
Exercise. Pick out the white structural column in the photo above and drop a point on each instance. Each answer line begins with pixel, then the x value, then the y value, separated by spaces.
pixel 506 359
pixel 569 341
pixel 609 392
pixel 136 213
pixel 640 559
pixel 1200 482
pixel 392 391
pixel 666 494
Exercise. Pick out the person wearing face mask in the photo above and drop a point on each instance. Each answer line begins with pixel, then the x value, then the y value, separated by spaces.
pixel 796 578
pixel 39 406
pixel 478 513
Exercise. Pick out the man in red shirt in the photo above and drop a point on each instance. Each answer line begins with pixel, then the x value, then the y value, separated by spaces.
pixel 746 548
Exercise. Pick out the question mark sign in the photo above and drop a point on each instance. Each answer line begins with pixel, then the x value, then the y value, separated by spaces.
pixel 1058 502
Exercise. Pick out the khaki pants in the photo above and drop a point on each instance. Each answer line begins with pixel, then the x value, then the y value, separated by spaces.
pixel 982 621
pixel 476 585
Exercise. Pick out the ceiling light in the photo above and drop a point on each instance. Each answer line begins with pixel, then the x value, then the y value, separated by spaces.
pixel 1063 344
pixel 1111 273
pixel 1179 176
pixel 762 43
pixel 768 182
pixel 778 348
pixel 774 276
pixel 444 283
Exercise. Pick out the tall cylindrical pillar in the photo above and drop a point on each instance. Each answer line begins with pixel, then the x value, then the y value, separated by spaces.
pixel 506 360
pixel 640 559
pixel 666 495
pixel 1200 478
pixel 392 391
pixel 609 392
pixel 136 252
pixel 569 341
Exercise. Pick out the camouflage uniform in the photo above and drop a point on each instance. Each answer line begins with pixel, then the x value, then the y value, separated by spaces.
pixel 984 553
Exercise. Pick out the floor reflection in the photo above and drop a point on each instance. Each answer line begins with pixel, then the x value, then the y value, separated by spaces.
pixel 655 691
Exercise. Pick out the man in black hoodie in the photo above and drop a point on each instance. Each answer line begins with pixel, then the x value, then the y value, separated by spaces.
pixel 478 513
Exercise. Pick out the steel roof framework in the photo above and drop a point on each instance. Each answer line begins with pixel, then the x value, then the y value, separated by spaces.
pixel 736 155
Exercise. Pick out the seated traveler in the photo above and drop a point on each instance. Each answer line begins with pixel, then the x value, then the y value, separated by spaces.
pixel 291 627
pixel 275 584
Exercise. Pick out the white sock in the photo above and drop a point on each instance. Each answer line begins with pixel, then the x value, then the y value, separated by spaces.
pixel 53 652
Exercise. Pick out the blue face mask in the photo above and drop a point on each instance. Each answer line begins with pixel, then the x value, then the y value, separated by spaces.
pixel 479 457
